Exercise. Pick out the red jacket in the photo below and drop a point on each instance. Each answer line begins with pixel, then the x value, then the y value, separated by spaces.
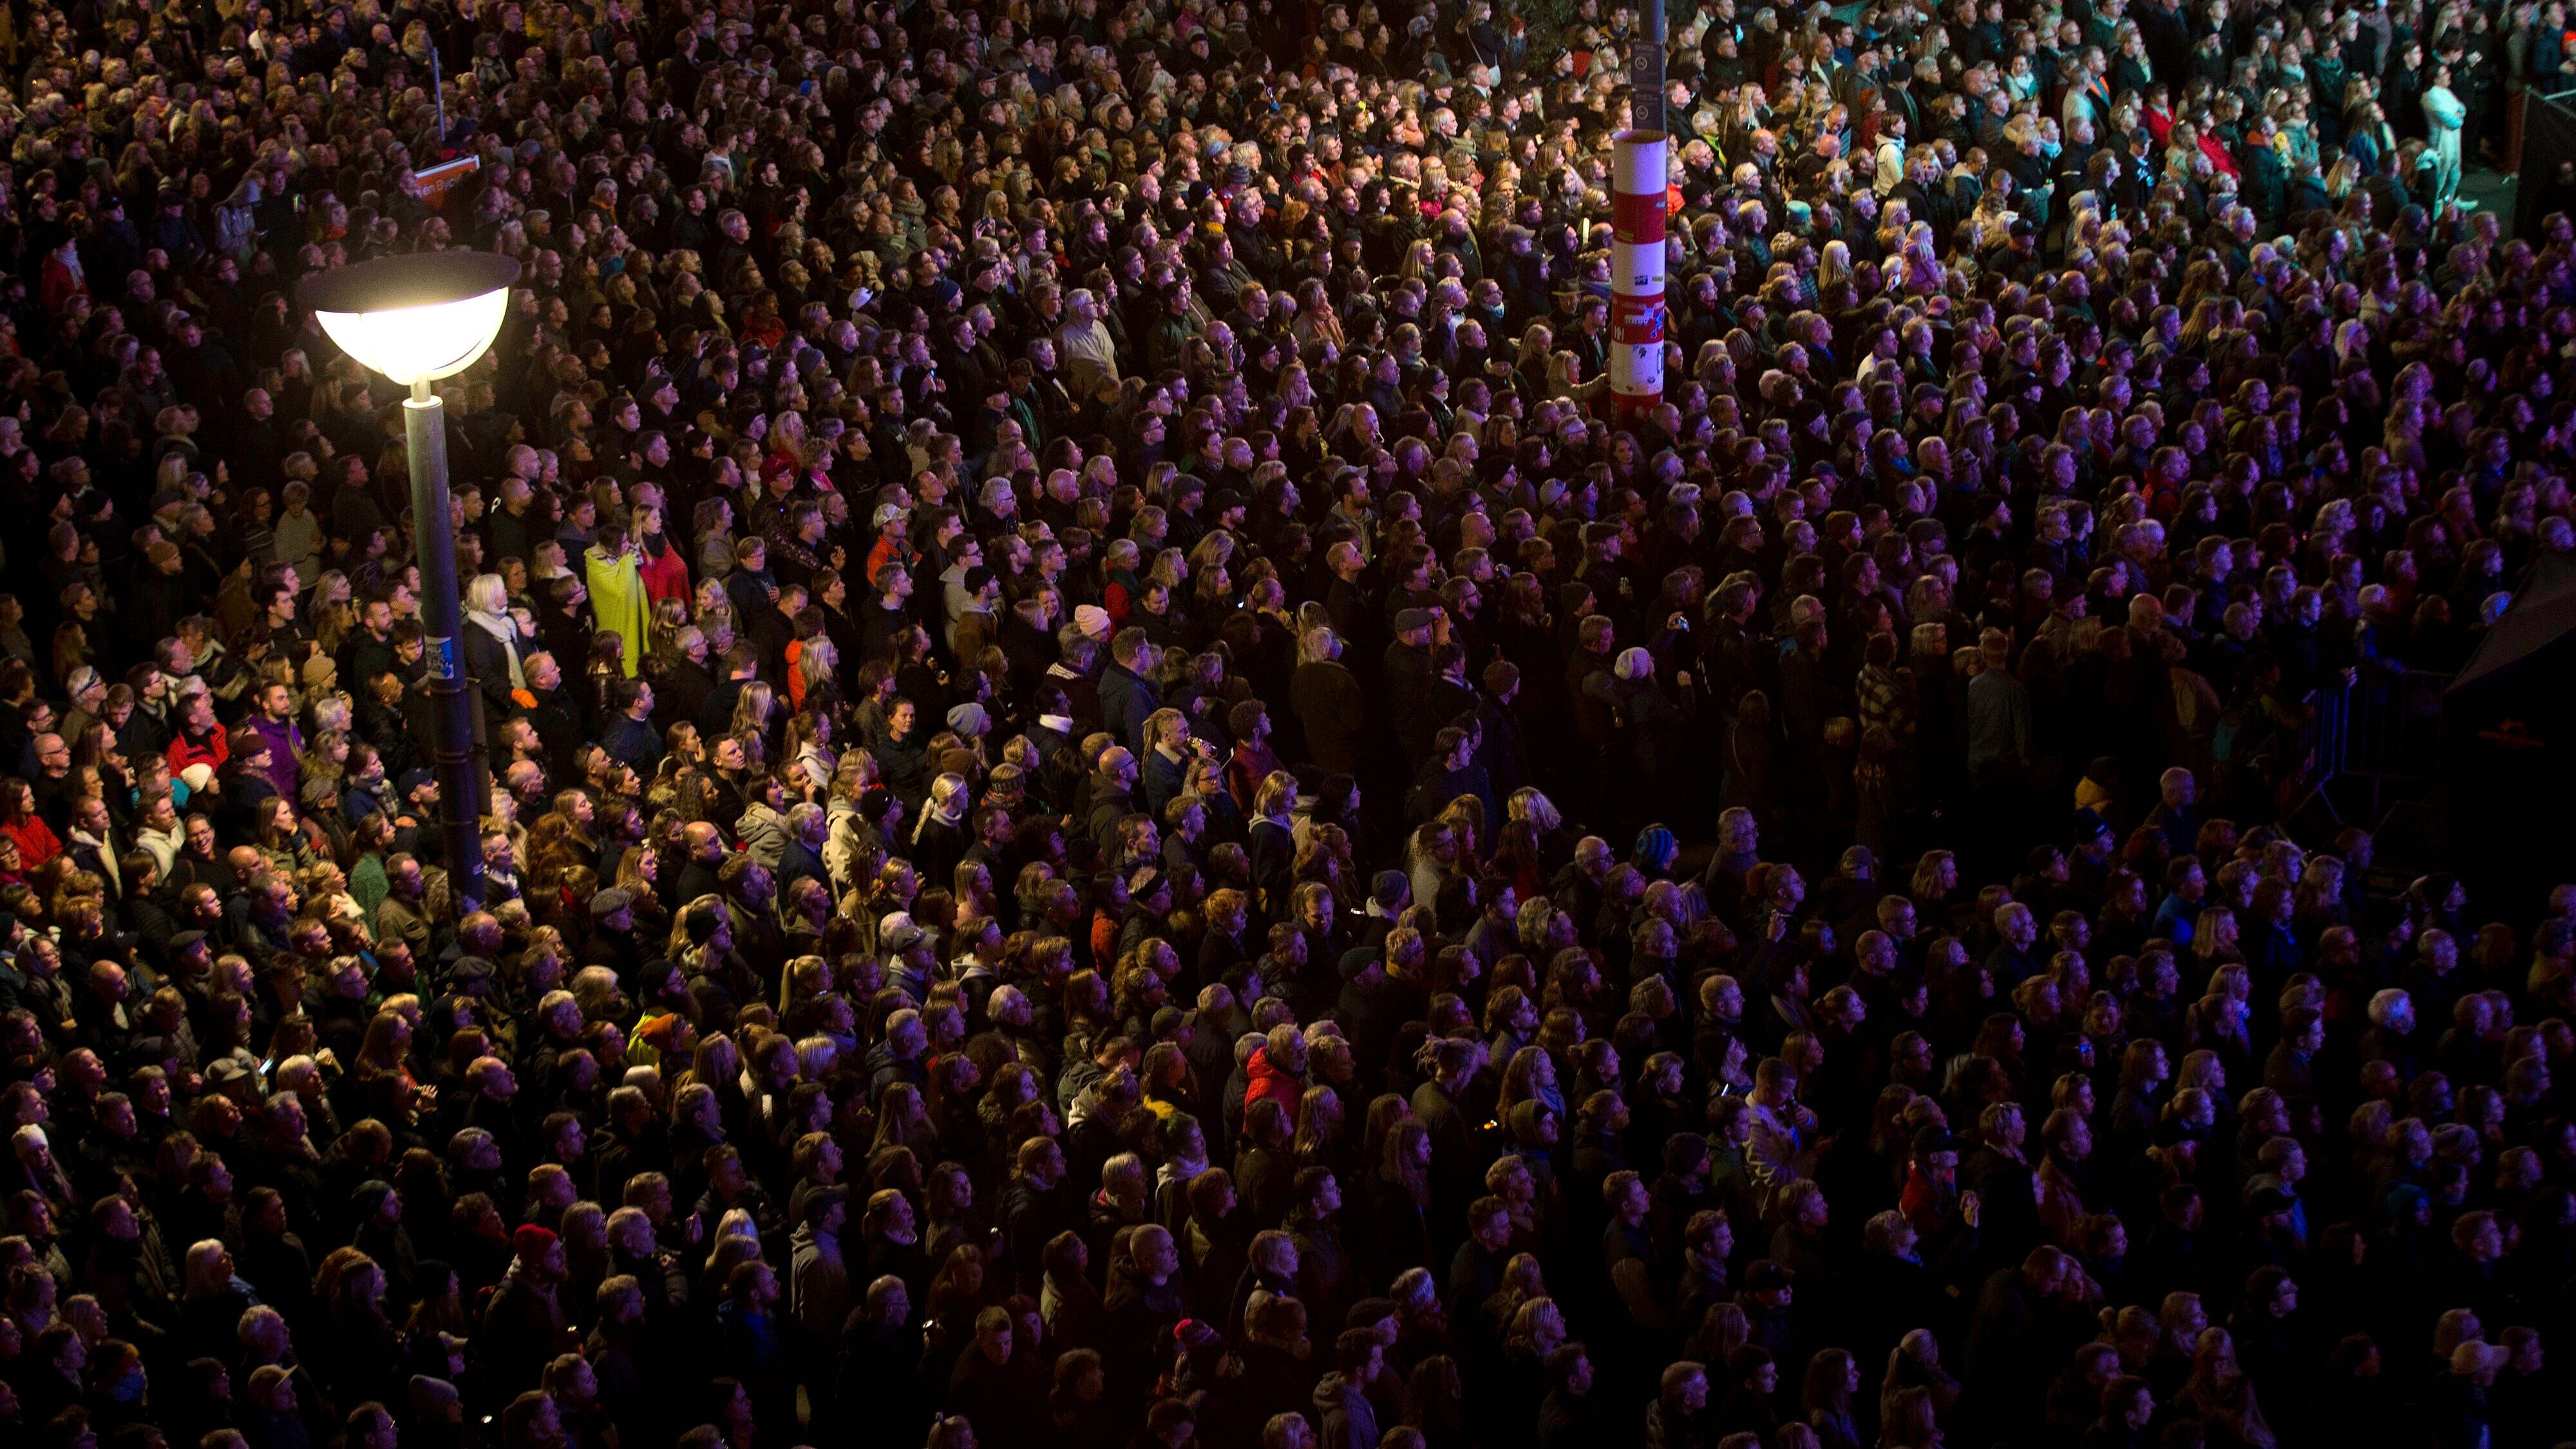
pixel 211 754
pixel 666 575
pixel 1269 1081
pixel 37 842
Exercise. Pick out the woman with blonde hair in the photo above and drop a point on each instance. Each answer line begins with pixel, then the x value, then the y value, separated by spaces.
pixel 665 574
pixel 1836 266
pixel 1565 376
pixel 752 711
pixel 493 653
pixel 670 620
pixel 328 611
pixel 939 836
pixel 1531 804
pixel 2215 938
pixel 810 682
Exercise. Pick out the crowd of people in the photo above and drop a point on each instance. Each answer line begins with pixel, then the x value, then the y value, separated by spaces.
pixel 1121 807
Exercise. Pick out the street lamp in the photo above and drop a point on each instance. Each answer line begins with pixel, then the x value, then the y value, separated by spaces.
pixel 417 319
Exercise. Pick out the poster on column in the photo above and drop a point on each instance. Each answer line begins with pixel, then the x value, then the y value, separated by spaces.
pixel 1638 321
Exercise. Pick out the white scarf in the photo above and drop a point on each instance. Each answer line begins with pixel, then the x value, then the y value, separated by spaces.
pixel 931 809
pixel 505 629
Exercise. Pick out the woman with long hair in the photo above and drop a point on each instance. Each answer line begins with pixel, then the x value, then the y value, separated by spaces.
pixel 813 680
pixel 805 752
pixel 72 651
pixel 360 1356
pixel 378 1079
pixel 1833 1376
pixel 1909 1422
pixel 2221 1396
pixel 1435 1403
pixel 329 614
pixel 711 526
pixel 1914 1367
pixel 1400 1200
pixel 664 573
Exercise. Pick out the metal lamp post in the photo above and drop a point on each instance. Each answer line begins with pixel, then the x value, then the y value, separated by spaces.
pixel 417 319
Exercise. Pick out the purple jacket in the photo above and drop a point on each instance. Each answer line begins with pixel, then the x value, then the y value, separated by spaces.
pixel 285 743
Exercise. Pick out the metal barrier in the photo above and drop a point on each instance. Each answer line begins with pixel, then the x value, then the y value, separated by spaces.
pixel 2308 764
pixel 2368 744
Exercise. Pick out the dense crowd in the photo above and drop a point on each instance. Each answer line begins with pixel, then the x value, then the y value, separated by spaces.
pixel 1122 809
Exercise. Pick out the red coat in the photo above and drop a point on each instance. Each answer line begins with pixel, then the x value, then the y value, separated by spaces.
pixel 1269 1081
pixel 665 575
pixel 57 284
pixel 211 754
pixel 37 842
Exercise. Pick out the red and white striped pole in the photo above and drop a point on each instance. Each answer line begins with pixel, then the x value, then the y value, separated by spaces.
pixel 1637 203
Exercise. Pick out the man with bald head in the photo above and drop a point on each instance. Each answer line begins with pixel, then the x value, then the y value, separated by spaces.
pixel 52 779
pixel 706 851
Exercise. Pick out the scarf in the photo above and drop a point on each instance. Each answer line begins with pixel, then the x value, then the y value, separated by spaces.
pixel 505 629
pixel 948 814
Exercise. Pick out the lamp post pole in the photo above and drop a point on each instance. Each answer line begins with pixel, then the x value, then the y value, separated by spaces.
pixel 417 318
pixel 433 523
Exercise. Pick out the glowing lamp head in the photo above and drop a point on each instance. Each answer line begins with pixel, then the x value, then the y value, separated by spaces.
pixel 414 318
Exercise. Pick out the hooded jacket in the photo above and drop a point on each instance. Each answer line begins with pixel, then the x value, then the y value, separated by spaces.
pixel 1343 1410
pixel 764 835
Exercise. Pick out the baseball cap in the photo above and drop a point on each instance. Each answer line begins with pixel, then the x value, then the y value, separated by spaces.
pixel 899 932
pixel 1369 1313
pixel 1766 1276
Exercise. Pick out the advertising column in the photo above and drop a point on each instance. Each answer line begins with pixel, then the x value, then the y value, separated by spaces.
pixel 1637 205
